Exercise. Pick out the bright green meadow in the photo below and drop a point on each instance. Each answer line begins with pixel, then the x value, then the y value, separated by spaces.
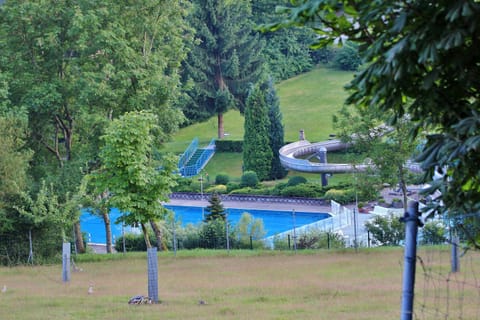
pixel 308 102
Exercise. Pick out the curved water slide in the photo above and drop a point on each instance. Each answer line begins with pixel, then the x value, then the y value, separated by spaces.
pixel 290 157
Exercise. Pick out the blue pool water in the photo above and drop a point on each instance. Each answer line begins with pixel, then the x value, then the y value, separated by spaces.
pixel 274 221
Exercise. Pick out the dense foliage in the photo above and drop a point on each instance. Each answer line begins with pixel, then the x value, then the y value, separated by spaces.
pixel 223 61
pixel 275 130
pixel 287 52
pixel 135 180
pixel 422 59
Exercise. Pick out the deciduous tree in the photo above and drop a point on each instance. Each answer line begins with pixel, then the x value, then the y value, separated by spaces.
pixel 136 181
pixel 422 59
pixel 77 64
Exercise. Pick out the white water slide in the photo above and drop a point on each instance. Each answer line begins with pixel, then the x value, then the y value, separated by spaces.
pixel 291 157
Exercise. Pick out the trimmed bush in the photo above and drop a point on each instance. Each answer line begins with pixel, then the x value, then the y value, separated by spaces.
pixel 222 178
pixel 253 191
pixel 304 190
pixel 341 196
pixel 219 188
pixel 277 189
pixel 231 186
pixel 249 179
pixel 296 180
pixel 229 145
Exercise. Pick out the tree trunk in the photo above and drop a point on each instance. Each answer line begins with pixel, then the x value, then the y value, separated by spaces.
pixel 79 238
pixel 145 235
pixel 108 230
pixel 221 130
pixel 159 235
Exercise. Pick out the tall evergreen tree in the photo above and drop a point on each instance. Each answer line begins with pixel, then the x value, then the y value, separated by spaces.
pixel 257 153
pixel 223 61
pixel 276 131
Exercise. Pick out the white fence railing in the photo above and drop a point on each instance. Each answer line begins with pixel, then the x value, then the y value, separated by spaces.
pixel 341 217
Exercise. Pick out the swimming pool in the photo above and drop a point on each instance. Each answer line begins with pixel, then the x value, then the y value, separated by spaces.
pixel 274 221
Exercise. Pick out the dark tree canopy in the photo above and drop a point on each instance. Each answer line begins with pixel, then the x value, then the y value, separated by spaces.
pixel 223 61
pixel 287 52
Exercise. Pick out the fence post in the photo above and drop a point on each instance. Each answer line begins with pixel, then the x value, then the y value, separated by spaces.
pixel 455 258
pixel 174 239
pixel 227 232
pixel 412 222
pixel 66 262
pixel 152 274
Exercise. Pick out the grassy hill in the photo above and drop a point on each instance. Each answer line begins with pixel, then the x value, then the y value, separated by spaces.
pixel 307 102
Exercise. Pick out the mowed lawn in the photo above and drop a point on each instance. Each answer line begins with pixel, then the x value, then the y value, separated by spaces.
pixel 268 285
pixel 308 102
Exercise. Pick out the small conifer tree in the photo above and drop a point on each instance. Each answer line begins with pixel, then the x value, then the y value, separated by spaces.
pixel 215 210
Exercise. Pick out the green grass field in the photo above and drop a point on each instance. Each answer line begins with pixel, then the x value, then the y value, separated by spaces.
pixel 307 102
pixel 276 285
pixel 310 100
pixel 252 285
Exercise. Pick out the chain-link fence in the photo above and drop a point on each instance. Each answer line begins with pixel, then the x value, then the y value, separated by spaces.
pixel 31 247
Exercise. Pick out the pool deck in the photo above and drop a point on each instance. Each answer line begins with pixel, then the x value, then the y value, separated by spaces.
pixel 254 205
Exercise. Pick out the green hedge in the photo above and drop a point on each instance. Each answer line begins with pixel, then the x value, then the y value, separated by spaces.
pixel 229 145
pixel 304 190
pixel 341 196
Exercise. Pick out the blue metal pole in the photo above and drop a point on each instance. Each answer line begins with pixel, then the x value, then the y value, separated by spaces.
pixel 412 222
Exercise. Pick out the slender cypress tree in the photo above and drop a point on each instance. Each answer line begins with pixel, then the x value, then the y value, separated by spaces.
pixel 223 61
pixel 276 131
pixel 257 153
